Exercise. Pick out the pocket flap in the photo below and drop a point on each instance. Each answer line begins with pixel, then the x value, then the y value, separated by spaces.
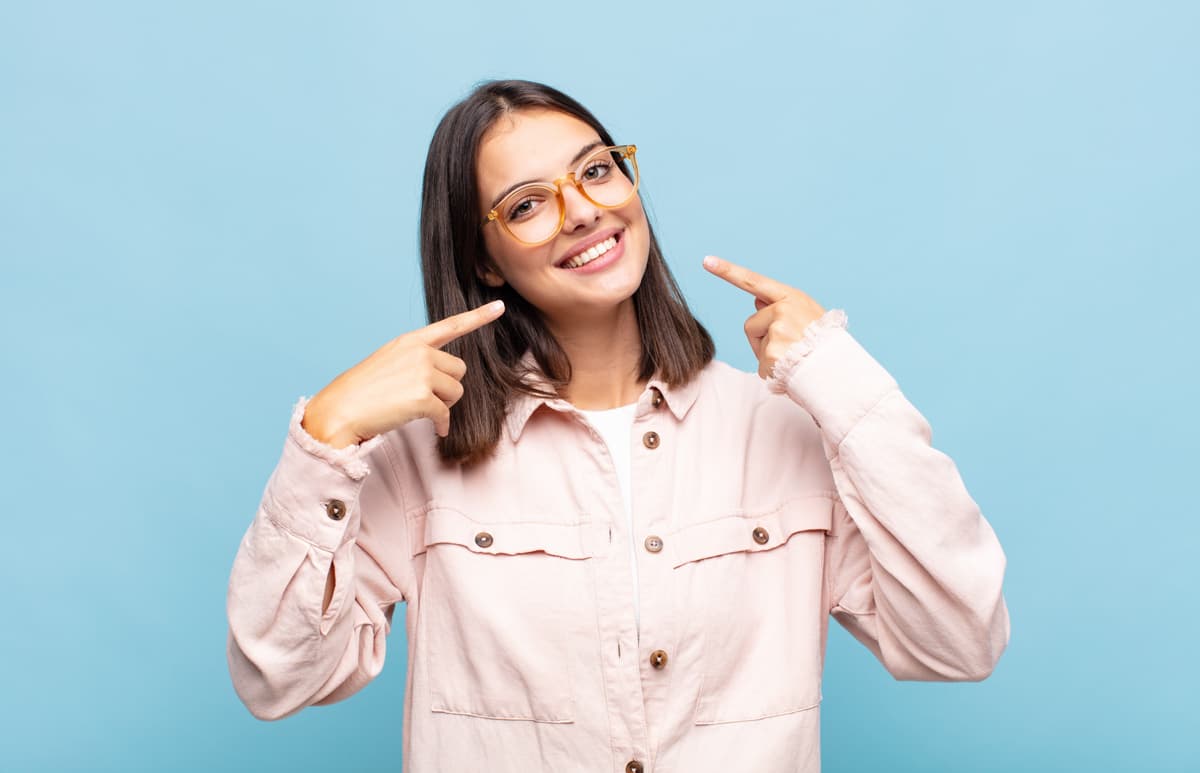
pixel 738 533
pixel 446 525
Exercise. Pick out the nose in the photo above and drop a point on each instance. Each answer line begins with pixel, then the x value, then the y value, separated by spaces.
pixel 578 212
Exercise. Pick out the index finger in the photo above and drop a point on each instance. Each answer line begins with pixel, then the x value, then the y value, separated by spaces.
pixel 754 283
pixel 442 332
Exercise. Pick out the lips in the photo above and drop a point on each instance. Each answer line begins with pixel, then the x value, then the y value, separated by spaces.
pixel 587 244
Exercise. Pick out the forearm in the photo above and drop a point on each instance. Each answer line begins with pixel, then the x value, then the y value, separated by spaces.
pixel 933 604
pixel 295 617
pixel 915 571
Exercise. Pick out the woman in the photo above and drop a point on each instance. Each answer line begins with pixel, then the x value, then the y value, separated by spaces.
pixel 618 553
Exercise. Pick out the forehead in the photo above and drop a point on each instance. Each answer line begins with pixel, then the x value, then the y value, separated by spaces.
pixel 529 145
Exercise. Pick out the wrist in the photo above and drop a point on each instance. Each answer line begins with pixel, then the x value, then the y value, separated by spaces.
pixel 324 425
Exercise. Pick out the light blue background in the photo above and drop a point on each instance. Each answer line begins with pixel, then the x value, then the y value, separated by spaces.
pixel 208 210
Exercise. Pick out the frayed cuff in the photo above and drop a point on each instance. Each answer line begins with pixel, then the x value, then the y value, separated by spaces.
pixel 351 460
pixel 819 328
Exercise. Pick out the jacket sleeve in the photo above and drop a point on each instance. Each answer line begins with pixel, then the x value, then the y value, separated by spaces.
pixel 284 653
pixel 913 569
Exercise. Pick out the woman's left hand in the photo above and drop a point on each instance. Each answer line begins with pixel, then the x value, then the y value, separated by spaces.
pixel 783 312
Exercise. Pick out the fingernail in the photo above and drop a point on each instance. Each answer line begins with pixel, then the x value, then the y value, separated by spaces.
pixel 710 261
pixel 496 306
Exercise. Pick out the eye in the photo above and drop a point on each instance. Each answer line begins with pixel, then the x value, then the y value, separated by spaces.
pixel 597 169
pixel 522 208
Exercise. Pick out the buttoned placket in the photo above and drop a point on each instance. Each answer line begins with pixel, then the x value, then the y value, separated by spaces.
pixel 614 604
pixel 634 671
pixel 637 673
pixel 653 464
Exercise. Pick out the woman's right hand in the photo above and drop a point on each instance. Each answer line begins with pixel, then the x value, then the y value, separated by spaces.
pixel 407 378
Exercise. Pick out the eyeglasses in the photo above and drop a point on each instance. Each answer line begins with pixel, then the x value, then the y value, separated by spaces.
pixel 534 214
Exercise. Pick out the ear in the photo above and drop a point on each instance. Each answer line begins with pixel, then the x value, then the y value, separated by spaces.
pixel 489 275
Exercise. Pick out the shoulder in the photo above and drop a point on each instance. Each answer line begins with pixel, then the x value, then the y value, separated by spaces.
pixel 743 396
pixel 725 380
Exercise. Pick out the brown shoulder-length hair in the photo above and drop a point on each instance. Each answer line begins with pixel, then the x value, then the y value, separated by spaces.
pixel 674 343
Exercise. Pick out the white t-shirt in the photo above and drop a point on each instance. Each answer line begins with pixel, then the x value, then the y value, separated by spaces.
pixel 614 425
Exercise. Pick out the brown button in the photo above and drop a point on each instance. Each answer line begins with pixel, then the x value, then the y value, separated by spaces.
pixel 633 766
pixel 650 440
pixel 653 543
pixel 483 539
pixel 657 399
pixel 335 509
pixel 761 536
pixel 658 659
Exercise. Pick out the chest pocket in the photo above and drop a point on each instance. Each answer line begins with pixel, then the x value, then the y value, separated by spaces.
pixel 500 610
pixel 758 577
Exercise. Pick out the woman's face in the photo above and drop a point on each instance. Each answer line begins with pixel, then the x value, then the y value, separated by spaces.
pixel 539 145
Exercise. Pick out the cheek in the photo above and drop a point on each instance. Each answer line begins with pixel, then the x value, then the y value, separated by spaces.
pixel 636 213
pixel 518 265
pixel 639 227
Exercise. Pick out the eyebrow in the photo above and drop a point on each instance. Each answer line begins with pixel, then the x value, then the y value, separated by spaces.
pixel 578 157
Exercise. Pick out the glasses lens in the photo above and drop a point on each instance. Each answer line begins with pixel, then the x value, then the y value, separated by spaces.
pixel 604 180
pixel 530 213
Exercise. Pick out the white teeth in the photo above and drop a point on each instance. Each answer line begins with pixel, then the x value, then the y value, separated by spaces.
pixel 590 254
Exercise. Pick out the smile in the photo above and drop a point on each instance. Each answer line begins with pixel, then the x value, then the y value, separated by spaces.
pixel 590 254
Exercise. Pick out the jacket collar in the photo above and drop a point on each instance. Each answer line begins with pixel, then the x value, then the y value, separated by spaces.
pixel 679 399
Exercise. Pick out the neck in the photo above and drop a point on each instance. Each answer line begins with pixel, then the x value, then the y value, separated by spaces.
pixel 605 352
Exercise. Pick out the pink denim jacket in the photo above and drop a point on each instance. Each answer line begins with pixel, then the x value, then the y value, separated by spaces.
pixel 760 508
